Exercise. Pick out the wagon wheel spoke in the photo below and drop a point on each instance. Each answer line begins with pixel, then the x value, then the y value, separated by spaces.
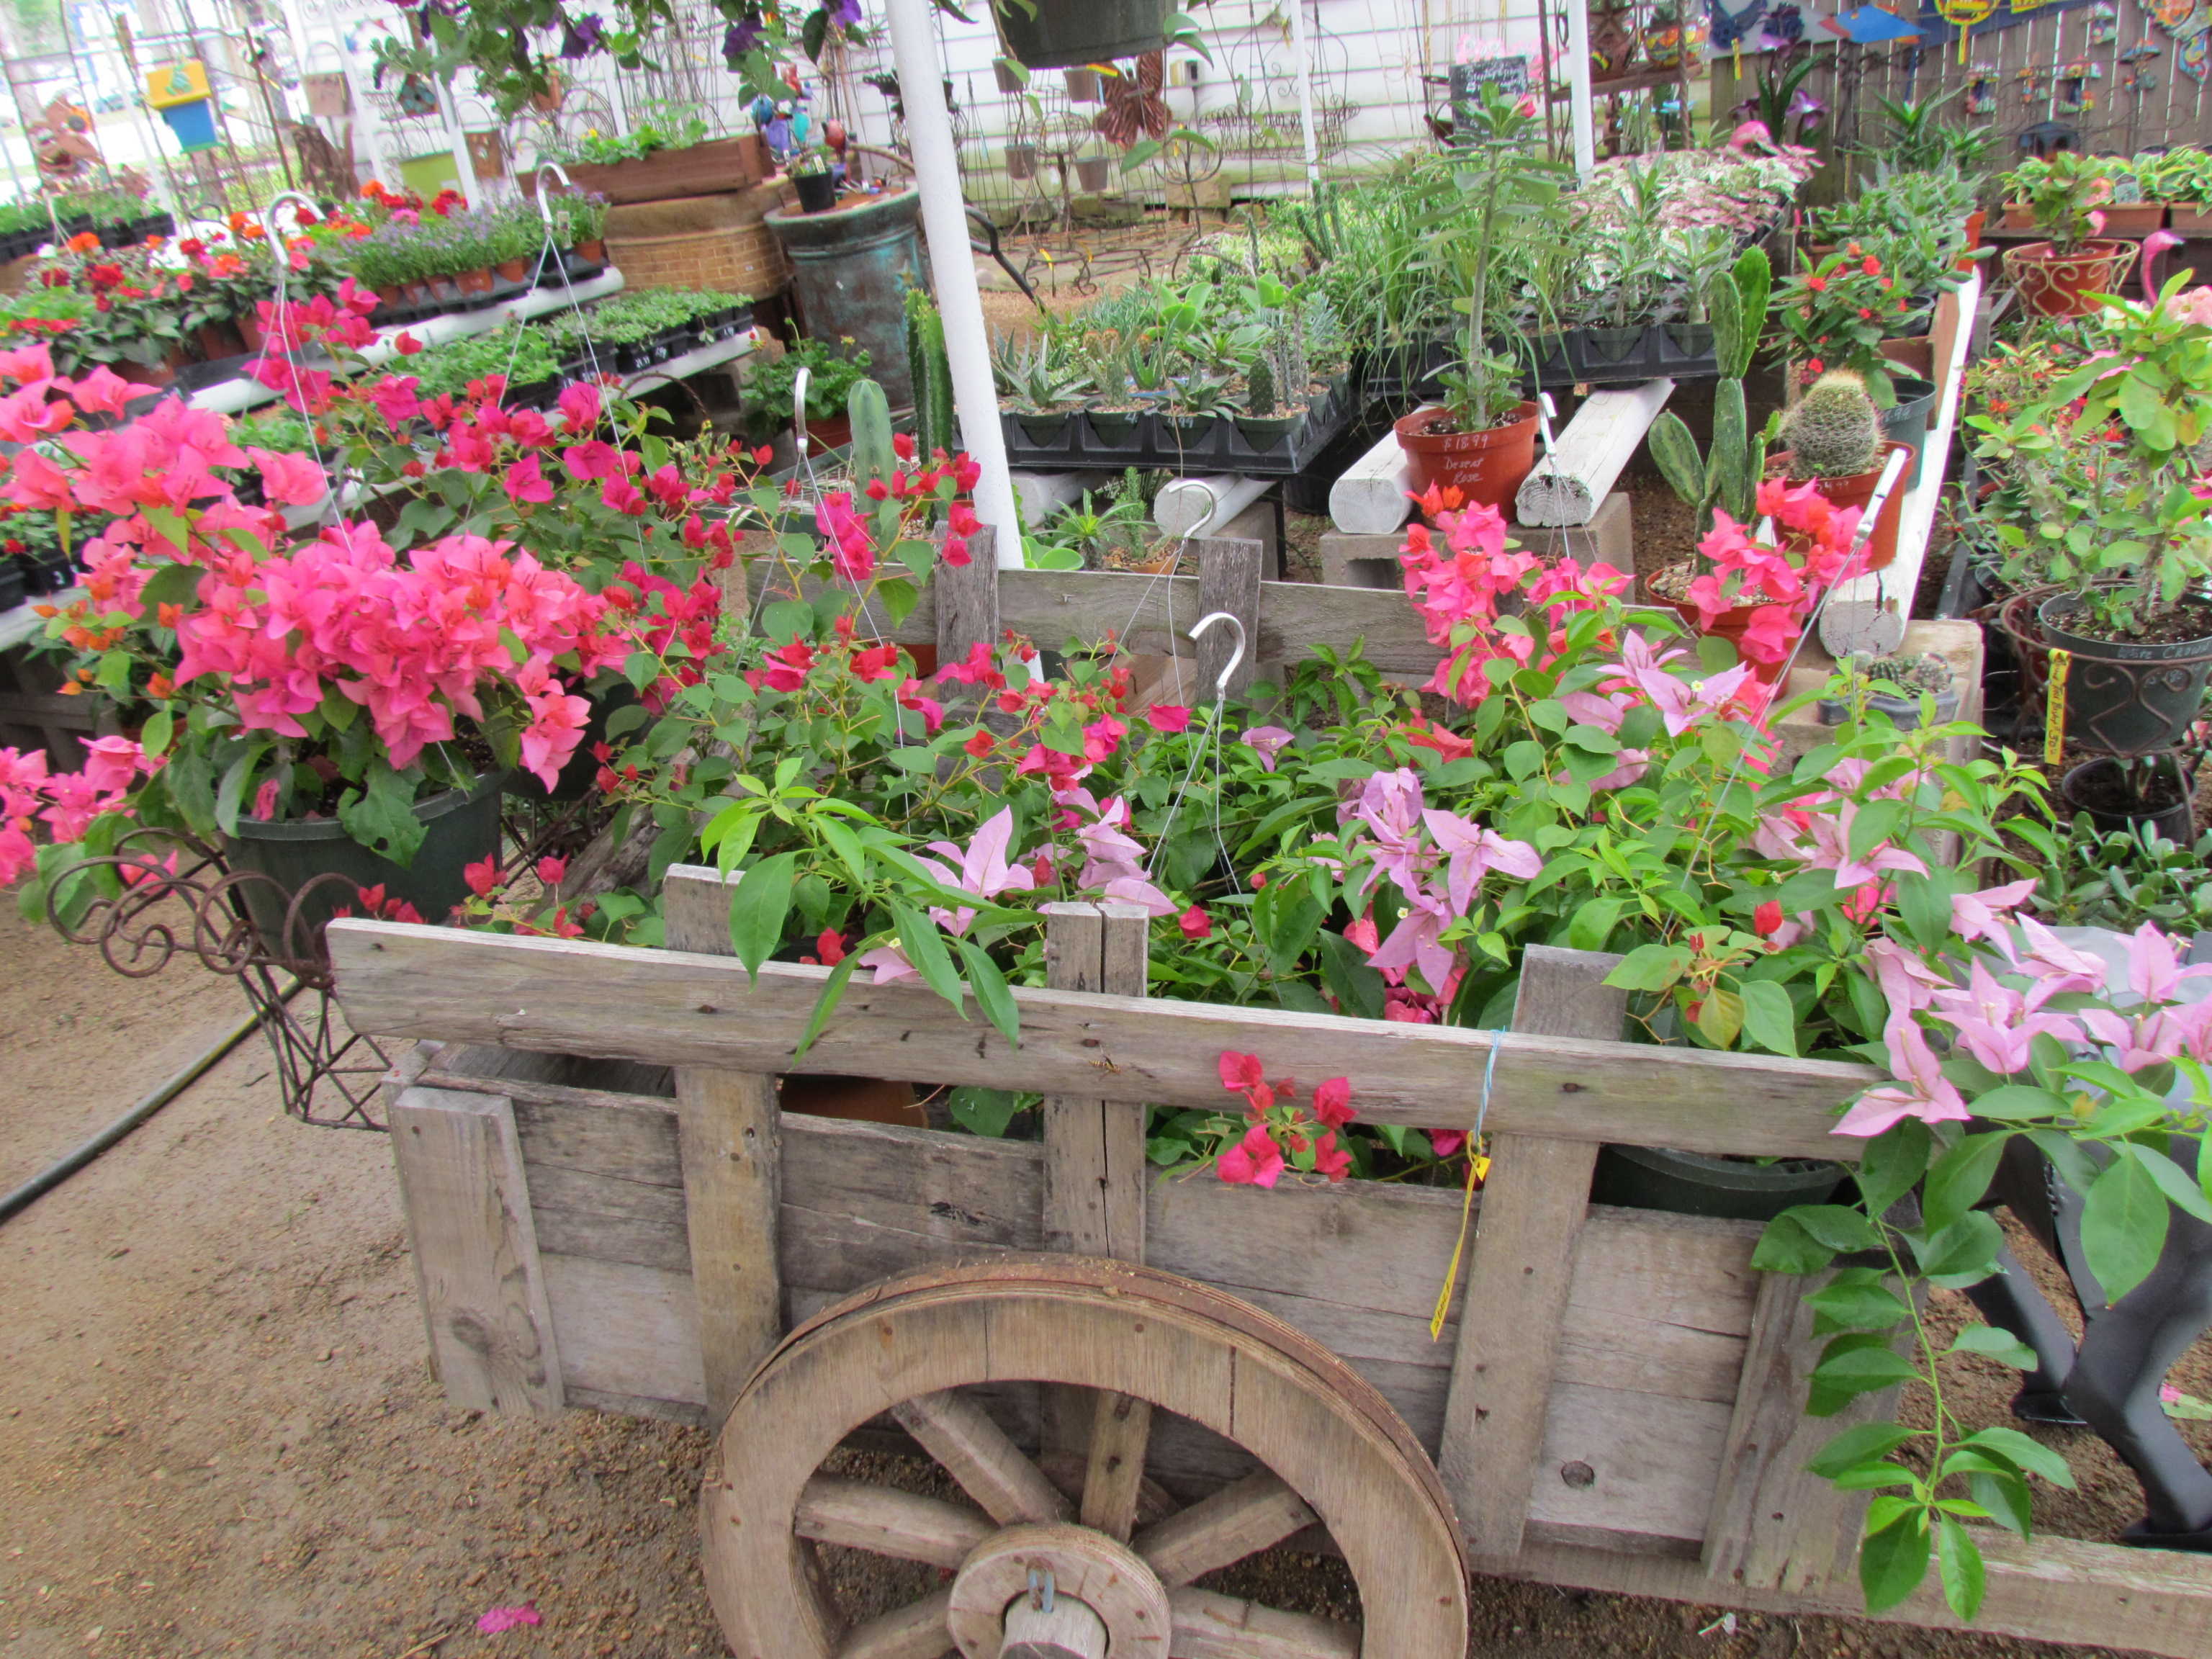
pixel 1255 1513
pixel 882 1521
pixel 914 1631
pixel 1210 1626
pixel 977 1453
pixel 1120 1431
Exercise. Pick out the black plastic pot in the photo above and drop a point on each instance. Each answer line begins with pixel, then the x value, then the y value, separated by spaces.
pixel 1059 33
pixel 1043 429
pixel 2166 804
pixel 2126 699
pixel 13 591
pixel 1263 430
pixel 817 191
pixel 1903 711
pixel 1113 427
pixel 1691 1183
pixel 1907 422
pixel 460 827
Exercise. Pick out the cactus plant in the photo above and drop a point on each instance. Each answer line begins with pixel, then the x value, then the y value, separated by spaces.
pixel 1905 677
pixel 931 369
pixel 1260 387
pixel 1727 477
pixel 1834 432
pixel 871 414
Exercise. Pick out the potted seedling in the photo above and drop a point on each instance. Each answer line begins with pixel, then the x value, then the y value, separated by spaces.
pixel 2059 275
pixel 1263 421
pixel 1082 84
pixel 1194 402
pixel 810 170
pixel 1041 387
pixel 1893 686
pixel 1093 173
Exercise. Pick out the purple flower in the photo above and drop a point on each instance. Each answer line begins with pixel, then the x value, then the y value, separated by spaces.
pixel 739 39
pixel 580 37
pixel 845 14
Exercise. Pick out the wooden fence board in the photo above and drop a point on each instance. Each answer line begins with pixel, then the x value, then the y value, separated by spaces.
pixel 625 1329
pixel 578 996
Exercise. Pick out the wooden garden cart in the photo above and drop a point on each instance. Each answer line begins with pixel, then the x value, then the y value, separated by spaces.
pixel 1134 1382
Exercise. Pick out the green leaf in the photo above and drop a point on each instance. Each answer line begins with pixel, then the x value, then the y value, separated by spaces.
pixel 1960 1562
pixel 1786 1247
pixel 1864 1369
pixel 2124 1221
pixel 729 834
pixel 230 793
pixel 783 620
pixel 992 995
pixel 1591 925
pixel 1892 1562
pixel 826 1004
pixel 1650 968
pixel 983 1111
pixel 1838 1226
pixel 2004 1496
pixel 160 726
pixel 382 818
pixel 1959 1178
pixel 1857 1305
pixel 1856 1445
pixel 2016 1102
pixel 1874 823
pixel 758 910
pixel 2186 1193
pixel 1893 1164
pixel 1993 1344
pixel 1965 1253
pixel 2024 1453
pixel 1769 1018
pixel 170 584
pixel 846 845
pixel 1524 759
pixel 925 949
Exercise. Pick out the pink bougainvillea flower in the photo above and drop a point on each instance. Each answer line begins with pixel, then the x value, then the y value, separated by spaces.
pixel 1167 717
pixel 288 480
pixel 1475 851
pixel 1927 1095
pixel 1329 1159
pixel 1332 1102
pixel 506 1618
pixel 551 869
pixel 1267 741
pixel 981 868
pixel 1195 923
pixel 890 963
pixel 527 482
pixel 483 876
pixel 1239 1073
pixel 103 390
pixel 1255 1161
pixel 1983 915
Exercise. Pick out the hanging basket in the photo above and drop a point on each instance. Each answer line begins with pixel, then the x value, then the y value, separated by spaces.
pixel 2054 284
pixel 327 94
pixel 1060 32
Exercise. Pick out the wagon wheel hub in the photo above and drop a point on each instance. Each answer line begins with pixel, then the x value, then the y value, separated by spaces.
pixel 1057 1591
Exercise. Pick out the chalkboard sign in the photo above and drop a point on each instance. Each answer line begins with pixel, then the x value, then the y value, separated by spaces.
pixel 1508 74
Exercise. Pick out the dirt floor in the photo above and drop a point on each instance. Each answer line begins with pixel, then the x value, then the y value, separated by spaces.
pixel 218 1433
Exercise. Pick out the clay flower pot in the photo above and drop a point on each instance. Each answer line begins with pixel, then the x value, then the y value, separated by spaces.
pixel 592 251
pixel 513 270
pixel 474 281
pixel 2054 284
pixel 1483 466
pixel 1731 625
pixel 1856 490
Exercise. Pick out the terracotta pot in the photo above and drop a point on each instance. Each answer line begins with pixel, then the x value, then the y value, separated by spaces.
pixel 859 1099
pixel 161 373
pixel 2019 215
pixel 1975 221
pixel 2190 221
pixel 833 434
pixel 2133 218
pixel 513 270
pixel 219 340
pixel 473 282
pixel 1483 466
pixel 249 330
pixel 592 252
pixel 1730 625
pixel 414 293
pixel 1914 353
pixel 1856 490
pixel 2053 285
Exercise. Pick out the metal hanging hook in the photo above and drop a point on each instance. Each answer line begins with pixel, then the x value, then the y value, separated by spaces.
pixel 545 209
pixel 799 409
pixel 1228 672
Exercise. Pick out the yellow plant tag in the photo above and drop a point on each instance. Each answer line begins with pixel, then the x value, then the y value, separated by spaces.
pixel 2054 708
pixel 1478 1171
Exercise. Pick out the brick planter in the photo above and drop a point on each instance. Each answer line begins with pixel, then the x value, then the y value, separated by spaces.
pixel 700 241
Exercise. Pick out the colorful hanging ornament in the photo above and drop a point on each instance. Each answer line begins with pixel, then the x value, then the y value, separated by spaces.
pixel 1732 25
pixel 2173 15
pixel 1981 88
pixel 2104 24
pixel 1963 14
pixel 2074 90
pixel 2193 56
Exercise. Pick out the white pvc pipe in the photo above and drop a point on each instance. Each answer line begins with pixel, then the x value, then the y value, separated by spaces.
pixel 1198 507
pixel 1579 115
pixel 1043 494
pixel 944 221
pixel 1304 65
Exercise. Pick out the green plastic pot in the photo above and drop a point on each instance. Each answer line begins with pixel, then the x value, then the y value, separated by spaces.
pixel 317 869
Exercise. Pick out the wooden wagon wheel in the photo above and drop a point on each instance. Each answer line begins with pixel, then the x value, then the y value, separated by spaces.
pixel 1333 1451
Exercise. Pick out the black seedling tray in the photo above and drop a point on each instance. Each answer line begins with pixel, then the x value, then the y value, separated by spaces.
pixel 1158 442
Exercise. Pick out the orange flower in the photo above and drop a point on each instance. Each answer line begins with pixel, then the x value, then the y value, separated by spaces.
pixel 84 241
pixel 161 685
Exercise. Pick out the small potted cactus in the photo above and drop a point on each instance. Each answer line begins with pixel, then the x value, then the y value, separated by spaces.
pixel 1263 422
pixel 1833 438
pixel 1893 685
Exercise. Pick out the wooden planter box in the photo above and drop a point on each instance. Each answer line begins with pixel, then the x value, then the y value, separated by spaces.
pixel 1615 1401
pixel 714 168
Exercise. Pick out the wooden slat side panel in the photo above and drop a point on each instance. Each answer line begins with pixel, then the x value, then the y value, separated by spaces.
pixel 624 1329
pixel 1659 1304
pixel 576 996
pixel 1651 1462
pixel 478 1274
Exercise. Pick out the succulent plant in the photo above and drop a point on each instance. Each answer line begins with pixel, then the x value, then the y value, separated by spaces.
pixel 1834 432
pixel 1260 387
pixel 1906 676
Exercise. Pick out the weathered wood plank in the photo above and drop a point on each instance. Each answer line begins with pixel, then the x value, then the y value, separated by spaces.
pixel 1094 1149
pixel 1241 1519
pixel 1210 1626
pixel 728 1133
pixel 577 996
pixel 886 1521
pixel 975 1452
pixel 2050 1590
pixel 1773 1524
pixel 1228 580
pixel 623 1329
pixel 477 1272
pixel 1113 1473
pixel 967 600
pixel 1650 1462
pixel 1521 1273
pixel 914 1631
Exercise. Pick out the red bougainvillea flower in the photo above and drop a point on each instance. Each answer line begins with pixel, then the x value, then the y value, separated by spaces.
pixel 1195 923
pixel 1255 1161
pixel 483 876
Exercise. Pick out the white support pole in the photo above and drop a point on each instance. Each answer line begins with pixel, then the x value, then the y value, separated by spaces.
pixel 1579 115
pixel 1304 65
pixel 944 221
